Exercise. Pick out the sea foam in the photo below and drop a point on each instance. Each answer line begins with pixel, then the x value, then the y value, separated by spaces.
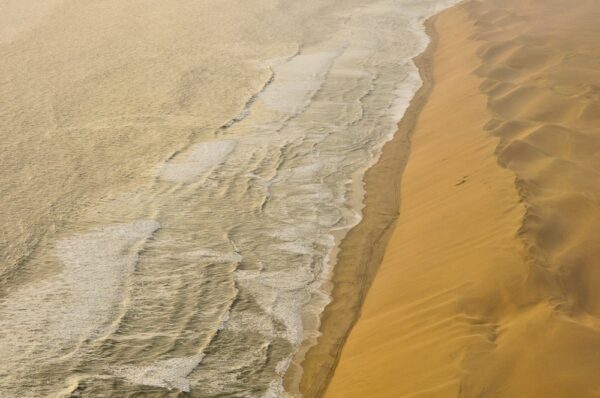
pixel 189 166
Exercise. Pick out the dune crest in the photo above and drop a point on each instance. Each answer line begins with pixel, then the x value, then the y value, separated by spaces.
pixel 547 117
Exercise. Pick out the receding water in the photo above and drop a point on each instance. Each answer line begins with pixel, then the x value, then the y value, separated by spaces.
pixel 175 176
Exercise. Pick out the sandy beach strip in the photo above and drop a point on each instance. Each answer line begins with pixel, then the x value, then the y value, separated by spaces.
pixel 486 287
pixel 361 251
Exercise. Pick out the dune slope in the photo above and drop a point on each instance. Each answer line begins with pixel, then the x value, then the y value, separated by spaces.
pixel 540 65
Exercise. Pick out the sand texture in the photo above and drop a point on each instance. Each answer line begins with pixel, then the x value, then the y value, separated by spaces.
pixel 487 285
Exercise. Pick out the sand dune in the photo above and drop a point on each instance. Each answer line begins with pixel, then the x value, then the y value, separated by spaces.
pixel 553 343
pixel 488 286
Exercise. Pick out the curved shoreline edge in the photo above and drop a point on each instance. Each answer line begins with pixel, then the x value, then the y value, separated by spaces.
pixel 362 249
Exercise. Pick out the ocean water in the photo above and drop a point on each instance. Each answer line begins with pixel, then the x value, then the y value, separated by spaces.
pixel 175 178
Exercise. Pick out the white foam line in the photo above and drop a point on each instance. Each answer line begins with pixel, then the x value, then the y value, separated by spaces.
pixel 169 373
pixel 296 80
pixel 213 255
pixel 80 302
pixel 188 167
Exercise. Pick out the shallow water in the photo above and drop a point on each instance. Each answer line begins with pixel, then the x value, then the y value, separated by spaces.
pixel 174 181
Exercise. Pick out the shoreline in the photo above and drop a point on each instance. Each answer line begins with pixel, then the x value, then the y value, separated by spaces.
pixel 488 283
pixel 357 258
pixel 286 118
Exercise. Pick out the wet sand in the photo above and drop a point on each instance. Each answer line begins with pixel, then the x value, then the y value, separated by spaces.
pixel 486 287
pixel 361 251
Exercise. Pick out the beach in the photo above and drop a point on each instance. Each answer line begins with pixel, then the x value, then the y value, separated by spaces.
pixel 176 181
pixel 485 287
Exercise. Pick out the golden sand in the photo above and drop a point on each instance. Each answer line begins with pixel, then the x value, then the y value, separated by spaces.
pixel 486 288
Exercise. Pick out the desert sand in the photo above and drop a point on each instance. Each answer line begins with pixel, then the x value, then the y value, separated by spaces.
pixel 486 288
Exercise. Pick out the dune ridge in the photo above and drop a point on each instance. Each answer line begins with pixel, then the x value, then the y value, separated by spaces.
pixel 539 62
pixel 486 288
